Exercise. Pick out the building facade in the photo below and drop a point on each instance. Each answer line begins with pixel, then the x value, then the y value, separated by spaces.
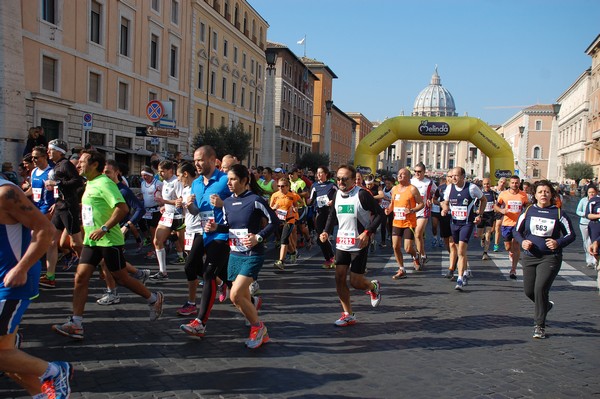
pixel 342 132
pixel 573 123
pixel 363 127
pixel 592 146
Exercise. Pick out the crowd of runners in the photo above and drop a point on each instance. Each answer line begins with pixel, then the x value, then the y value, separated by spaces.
pixel 218 218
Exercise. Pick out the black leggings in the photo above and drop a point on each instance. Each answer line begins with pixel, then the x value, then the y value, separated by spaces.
pixel 320 226
pixel 217 258
pixel 194 264
pixel 538 276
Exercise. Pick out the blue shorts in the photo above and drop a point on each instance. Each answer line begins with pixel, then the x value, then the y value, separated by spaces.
pixel 248 266
pixel 461 232
pixel 11 313
pixel 507 233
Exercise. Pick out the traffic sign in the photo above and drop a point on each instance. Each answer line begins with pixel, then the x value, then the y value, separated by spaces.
pixel 162 131
pixel 87 121
pixel 154 110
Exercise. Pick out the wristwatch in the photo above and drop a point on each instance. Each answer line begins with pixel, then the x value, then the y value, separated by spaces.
pixel 104 229
pixel 259 238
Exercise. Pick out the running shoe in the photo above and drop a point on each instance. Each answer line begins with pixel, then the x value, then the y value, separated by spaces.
pixel 257 302
pixel 254 288
pixel 459 285
pixel 159 278
pixel 469 273
pixel 179 261
pixel 109 299
pixel 279 264
pixel 375 293
pixel 73 262
pixel 400 275
pixel 294 258
pixel 417 261
pixel 485 256
pixel 45 282
pixel 144 276
pixel 156 308
pixel 59 386
pixel 222 292
pixel 258 336
pixel 496 247
pixel 329 264
pixel 150 255
pixel 513 275
pixel 465 279
pixel 449 274
pixel 539 332
pixel 187 309
pixel 69 329
pixel 195 328
pixel 347 319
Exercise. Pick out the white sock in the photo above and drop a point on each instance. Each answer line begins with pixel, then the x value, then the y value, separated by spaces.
pixel 78 320
pixel 161 256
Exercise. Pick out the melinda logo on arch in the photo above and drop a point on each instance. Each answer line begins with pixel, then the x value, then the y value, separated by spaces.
pixel 427 128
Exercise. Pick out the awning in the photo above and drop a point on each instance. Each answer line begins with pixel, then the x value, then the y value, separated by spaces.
pixel 108 149
pixel 141 152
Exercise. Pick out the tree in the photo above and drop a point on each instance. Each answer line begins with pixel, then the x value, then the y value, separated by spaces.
pixel 233 141
pixel 579 170
pixel 312 160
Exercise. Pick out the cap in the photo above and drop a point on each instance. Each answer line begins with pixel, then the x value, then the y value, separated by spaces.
pixel 58 145
pixel 279 170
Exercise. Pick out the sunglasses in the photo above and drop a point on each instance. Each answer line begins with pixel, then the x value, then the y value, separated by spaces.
pixel 343 179
pixel 36 157
pixel 418 171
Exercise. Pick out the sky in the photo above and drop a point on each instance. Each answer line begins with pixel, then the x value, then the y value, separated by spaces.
pixel 494 56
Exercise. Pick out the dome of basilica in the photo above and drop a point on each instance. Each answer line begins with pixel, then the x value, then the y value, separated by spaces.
pixel 434 100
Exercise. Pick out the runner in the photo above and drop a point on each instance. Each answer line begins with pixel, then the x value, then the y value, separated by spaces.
pixel 103 207
pixel 542 231
pixel 285 204
pixel 352 210
pixel 386 199
pixel 426 188
pixel 151 189
pixel 511 203
pixel 459 202
pixel 445 229
pixel 405 205
pixel 322 193
pixel 498 216
pixel 484 228
pixel 25 234
pixel 584 222
pixel 243 215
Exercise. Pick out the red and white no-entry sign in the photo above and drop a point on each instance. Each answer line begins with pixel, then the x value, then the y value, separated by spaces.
pixel 154 110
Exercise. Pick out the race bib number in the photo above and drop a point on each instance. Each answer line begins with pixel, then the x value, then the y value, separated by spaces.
pixel 541 227
pixel 166 219
pixel 399 213
pixel 322 201
pixel 346 238
pixel 37 194
pixel 56 193
pixel 459 212
pixel 489 206
pixel 385 203
pixel 87 216
pixel 189 241
pixel 147 215
pixel 235 240
pixel 281 214
pixel 205 217
pixel 514 206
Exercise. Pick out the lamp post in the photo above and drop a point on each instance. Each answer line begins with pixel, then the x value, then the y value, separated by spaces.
pixel 327 137
pixel 523 148
pixel 270 150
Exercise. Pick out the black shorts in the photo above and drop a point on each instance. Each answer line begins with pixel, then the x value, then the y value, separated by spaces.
pixel 498 216
pixel 67 219
pixel 462 232
pixel 145 224
pixel 408 233
pixel 487 220
pixel 286 232
pixel 113 257
pixel 11 313
pixel 356 260
pixel 436 215
pixel 445 230
pixel 217 258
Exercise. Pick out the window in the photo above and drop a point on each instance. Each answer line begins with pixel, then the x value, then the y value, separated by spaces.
pixel 202 32
pixel 173 69
pixel 225 48
pixel 224 89
pixel 198 117
pixel 235 54
pixel 173 115
pixel 123 96
pixel 152 96
pixel 154 52
pixel 215 39
pixel 236 16
pixel 252 67
pixel 251 101
pixel 156 5
pixel 94 88
pixel 175 12
pixel 49 11
pixel 538 125
pixel 233 92
pixel 244 60
pixel 124 45
pixel 201 77
pixel 243 98
pixel 536 173
pixel 537 152
pixel 95 20
pixel 49 74
pixel 213 82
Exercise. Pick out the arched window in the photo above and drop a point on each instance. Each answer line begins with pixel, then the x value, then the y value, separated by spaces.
pixel 537 152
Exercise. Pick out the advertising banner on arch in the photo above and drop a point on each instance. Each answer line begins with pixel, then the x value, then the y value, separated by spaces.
pixel 456 128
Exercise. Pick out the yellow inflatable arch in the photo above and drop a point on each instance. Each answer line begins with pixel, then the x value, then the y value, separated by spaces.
pixel 437 129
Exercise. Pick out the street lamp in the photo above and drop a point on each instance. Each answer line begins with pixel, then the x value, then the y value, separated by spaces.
pixel 327 137
pixel 271 58
pixel 556 109
pixel 521 130
pixel 271 142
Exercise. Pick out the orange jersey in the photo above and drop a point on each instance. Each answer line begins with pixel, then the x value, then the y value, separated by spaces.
pixel 284 206
pixel 402 201
pixel 514 205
